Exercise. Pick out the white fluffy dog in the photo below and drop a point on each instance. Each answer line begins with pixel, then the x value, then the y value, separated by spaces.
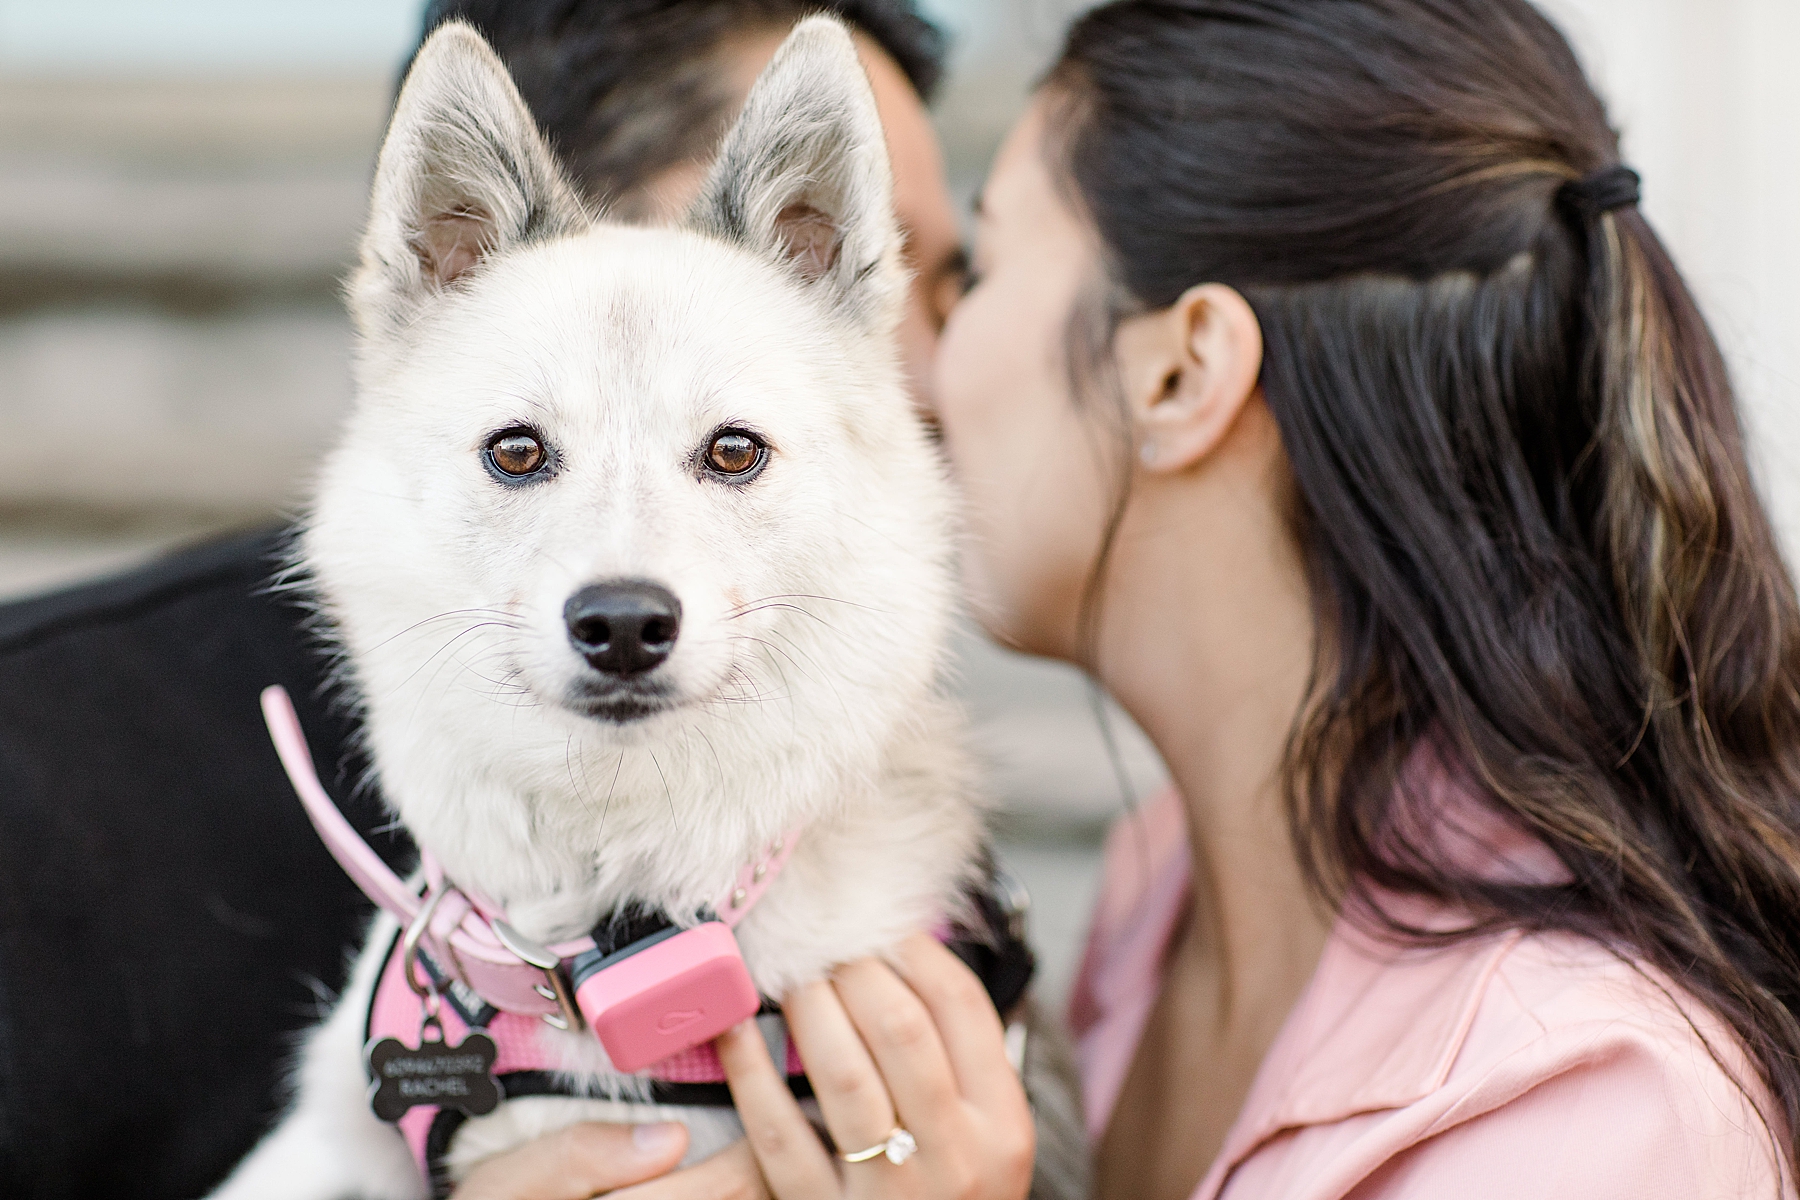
pixel 638 557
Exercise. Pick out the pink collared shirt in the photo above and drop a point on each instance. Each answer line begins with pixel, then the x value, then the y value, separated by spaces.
pixel 1512 1065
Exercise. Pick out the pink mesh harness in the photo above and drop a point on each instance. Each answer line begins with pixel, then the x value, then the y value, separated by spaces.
pixel 525 1065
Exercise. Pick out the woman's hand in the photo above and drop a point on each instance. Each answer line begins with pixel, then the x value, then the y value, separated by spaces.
pixel 915 1045
pixel 578 1162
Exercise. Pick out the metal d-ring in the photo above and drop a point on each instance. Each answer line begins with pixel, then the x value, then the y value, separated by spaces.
pixel 409 950
pixel 554 987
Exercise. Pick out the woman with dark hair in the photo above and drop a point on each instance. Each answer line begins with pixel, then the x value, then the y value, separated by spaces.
pixel 1322 391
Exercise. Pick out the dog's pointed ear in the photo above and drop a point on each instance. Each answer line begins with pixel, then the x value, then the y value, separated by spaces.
pixel 463 174
pixel 803 176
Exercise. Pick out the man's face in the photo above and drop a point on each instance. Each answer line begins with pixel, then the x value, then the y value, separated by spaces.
pixel 921 195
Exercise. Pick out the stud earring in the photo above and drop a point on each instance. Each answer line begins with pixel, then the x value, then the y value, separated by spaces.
pixel 1147 453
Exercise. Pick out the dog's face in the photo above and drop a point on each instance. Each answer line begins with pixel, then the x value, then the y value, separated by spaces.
pixel 640 455
pixel 611 489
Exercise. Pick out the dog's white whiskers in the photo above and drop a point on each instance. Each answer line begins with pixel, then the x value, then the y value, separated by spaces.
pixel 667 794
pixel 828 599
pixel 738 680
pixel 580 787
pixel 717 761
pixel 448 655
pixel 607 807
pixel 507 685
pixel 587 784
pixel 509 620
pixel 791 648
pixel 773 605
pixel 448 644
pixel 771 646
pixel 826 676
pixel 747 692
pixel 767 650
pixel 795 648
pixel 477 666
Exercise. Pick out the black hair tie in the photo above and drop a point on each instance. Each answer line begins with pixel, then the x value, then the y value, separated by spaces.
pixel 1592 196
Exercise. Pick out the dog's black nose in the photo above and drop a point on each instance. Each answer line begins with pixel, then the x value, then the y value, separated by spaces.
pixel 623 628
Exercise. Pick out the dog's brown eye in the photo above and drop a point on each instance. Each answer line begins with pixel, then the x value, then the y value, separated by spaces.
pixel 734 452
pixel 517 453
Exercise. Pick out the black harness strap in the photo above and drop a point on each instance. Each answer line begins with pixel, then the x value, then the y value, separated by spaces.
pixel 515 1084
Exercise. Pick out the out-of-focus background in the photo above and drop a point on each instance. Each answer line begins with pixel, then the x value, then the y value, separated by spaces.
pixel 181 186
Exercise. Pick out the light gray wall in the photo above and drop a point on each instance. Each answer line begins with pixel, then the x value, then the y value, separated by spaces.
pixel 1708 97
pixel 176 205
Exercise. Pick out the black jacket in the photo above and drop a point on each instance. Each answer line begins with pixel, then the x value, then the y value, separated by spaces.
pixel 169 922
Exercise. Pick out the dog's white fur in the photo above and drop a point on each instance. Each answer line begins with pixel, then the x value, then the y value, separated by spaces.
pixel 816 599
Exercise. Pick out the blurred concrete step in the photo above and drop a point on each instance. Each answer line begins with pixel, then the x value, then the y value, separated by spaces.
pixel 132 409
pixel 243 178
pixel 1045 745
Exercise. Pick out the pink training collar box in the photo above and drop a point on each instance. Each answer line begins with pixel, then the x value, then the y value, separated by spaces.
pixel 648 1003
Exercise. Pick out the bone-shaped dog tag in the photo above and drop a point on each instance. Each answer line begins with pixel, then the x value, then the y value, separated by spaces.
pixel 461 1076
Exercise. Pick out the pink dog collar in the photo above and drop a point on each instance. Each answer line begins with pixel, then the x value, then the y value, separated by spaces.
pixel 466 932
pixel 651 996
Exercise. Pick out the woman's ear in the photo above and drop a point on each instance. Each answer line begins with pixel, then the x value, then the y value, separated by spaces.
pixel 1188 371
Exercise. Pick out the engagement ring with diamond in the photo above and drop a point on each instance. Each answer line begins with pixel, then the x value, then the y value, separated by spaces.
pixel 899 1147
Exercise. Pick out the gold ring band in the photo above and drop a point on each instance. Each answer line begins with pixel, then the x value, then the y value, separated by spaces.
pixel 899 1146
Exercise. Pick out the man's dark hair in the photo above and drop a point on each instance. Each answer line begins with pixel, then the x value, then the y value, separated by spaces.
pixel 626 89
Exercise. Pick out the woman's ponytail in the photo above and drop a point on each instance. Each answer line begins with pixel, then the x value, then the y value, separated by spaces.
pixel 1712 617
pixel 1656 387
